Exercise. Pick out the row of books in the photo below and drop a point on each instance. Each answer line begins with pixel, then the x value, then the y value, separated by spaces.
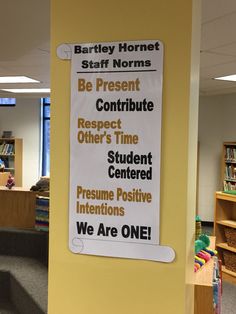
pixel 42 213
pixel 7 162
pixel 230 154
pixel 229 186
pixel 6 149
pixel 230 172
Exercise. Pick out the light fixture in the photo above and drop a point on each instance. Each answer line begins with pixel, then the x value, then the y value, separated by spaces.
pixel 27 90
pixel 231 78
pixel 17 79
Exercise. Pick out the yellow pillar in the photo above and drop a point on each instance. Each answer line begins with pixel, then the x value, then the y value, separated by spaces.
pixel 81 284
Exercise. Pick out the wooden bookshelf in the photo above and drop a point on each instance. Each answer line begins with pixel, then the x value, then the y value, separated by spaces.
pixel 227 223
pixel 229 272
pixel 225 246
pixel 225 216
pixel 3 177
pixel 11 151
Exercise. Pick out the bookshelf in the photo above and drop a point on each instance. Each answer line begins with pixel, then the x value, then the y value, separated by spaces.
pixel 11 155
pixel 225 217
pixel 229 166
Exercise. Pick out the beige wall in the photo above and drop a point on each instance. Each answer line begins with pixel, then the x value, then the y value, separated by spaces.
pixel 97 285
pixel 216 125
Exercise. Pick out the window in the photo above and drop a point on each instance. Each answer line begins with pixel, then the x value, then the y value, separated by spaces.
pixel 7 102
pixel 46 136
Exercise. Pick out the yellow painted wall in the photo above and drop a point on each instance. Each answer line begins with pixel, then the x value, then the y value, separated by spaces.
pixel 96 285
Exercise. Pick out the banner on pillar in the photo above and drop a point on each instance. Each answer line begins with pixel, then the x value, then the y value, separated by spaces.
pixel 115 142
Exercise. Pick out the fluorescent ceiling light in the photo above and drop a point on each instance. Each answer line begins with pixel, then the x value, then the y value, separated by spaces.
pixel 17 79
pixel 27 90
pixel 231 78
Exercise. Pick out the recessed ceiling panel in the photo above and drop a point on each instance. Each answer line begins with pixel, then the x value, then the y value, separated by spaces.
pixel 24 25
pixel 209 59
pixel 212 9
pixel 219 32
pixel 218 70
pixel 228 50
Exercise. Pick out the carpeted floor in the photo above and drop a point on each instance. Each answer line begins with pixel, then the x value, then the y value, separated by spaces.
pixel 229 298
pixel 7 308
pixel 23 271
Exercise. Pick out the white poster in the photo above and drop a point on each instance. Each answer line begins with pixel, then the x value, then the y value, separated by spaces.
pixel 115 142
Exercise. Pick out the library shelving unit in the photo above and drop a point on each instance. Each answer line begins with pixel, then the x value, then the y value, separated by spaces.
pixel 11 154
pixel 229 166
pixel 225 218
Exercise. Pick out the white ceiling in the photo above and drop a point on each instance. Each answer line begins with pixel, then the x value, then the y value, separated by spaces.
pixel 218 46
pixel 25 43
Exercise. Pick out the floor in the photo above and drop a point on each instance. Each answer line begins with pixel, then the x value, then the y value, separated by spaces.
pixel 228 298
pixel 7 308
pixel 23 271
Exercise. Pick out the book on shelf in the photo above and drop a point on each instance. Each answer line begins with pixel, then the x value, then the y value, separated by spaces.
pixel 10 149
pixel 230 154
pixel 6 162
pixel 6 149
pixel 229 186
pixel 229 166
pixel 230 172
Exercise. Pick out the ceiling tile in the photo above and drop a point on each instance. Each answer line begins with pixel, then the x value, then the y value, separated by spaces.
pixel 229 50
pixel 219 32
pixel 216 87
pixel 218 70
pixel 208 59
pixel 212 9
pixel 23 26
pixel 217 91
pixel 216 84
